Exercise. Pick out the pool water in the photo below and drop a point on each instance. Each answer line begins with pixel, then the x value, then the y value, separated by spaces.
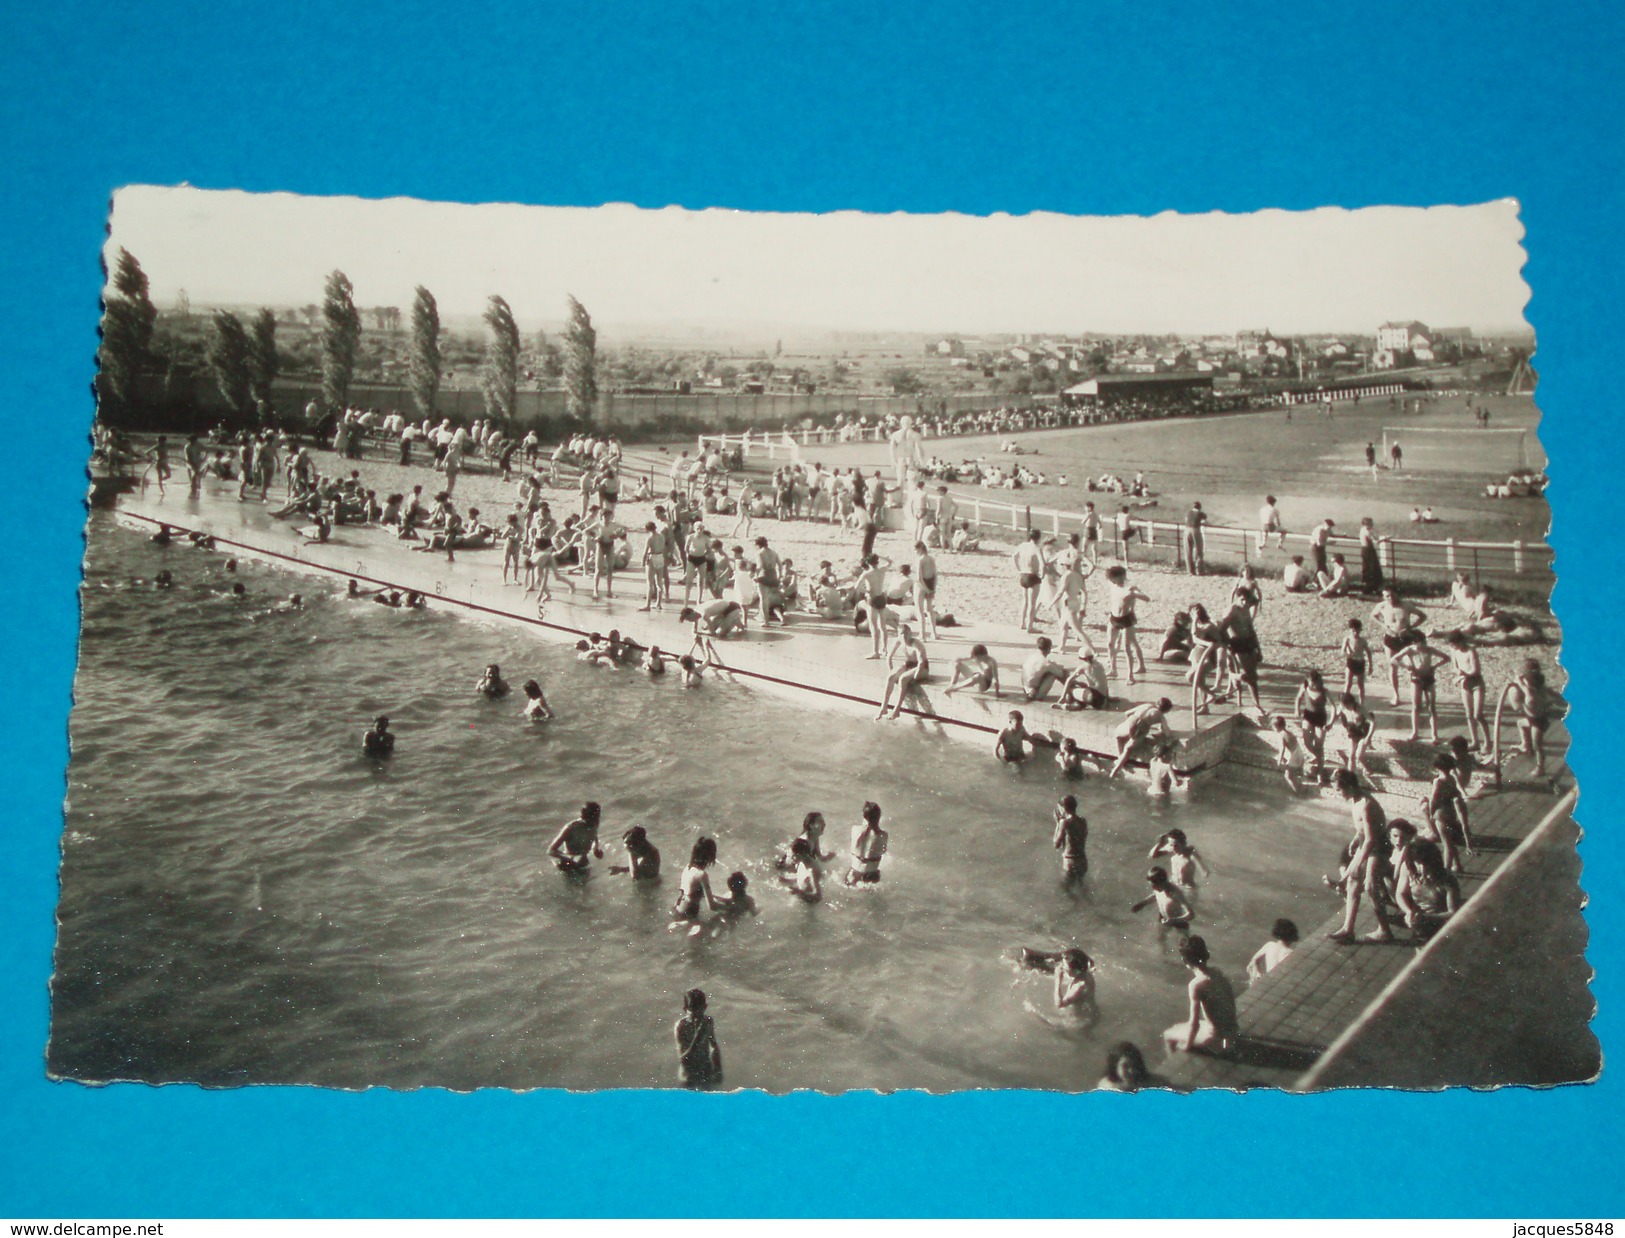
pixel 245 899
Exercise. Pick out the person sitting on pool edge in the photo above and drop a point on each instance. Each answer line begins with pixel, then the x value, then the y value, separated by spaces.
pixel 978 671
pixel 1039 671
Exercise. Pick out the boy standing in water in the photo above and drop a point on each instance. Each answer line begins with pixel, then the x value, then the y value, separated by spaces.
pixel 1071 840
pixel 1172 909
pixel 869 844
pixel 378 742
pixel 699 1057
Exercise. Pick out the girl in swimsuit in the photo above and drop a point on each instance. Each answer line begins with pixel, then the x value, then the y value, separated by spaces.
pixel 1422 883
pixel 1359 728
pixel 1247 592
pixel 1314 711
pixel 812 833
pixel 512 544
pixel 492 685
pixel 800 873
pixel 654 568
pixel 1447 814
pixel 544 563
pixel 1470 678
pixel 1125 1070
pixel 1207 650
pixel 536 709
pixel 694 886
pixel 906 679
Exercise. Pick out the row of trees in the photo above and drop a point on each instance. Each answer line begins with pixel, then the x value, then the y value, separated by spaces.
pixel 244 363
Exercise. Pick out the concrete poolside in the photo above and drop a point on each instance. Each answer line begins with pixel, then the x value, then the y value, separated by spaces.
pixel 811 654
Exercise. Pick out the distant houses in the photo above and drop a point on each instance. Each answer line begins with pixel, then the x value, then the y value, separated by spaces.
pixel 1401 344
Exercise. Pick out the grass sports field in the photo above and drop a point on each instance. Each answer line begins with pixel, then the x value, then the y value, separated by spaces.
pixel 1314 465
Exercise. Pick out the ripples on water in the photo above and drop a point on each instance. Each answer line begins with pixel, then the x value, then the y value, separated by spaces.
pixel 247 900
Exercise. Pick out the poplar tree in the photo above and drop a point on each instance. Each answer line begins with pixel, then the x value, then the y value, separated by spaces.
pixel 499 381
pixel 263 362
pixel 341 334
pixel 423 363
pixel 580 363
pixel 227 357
pixel 128 317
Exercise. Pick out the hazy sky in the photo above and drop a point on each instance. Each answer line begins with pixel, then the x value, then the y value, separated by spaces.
pixel 1330 269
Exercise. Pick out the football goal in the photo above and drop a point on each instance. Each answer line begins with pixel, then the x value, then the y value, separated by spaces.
pixel 1456 449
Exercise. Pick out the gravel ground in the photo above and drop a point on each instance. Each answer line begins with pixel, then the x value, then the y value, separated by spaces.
pixel 1296 630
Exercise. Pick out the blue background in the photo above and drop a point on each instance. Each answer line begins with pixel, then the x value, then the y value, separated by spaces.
pixel 1083 108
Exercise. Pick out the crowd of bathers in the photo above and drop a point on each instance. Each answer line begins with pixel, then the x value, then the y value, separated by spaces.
pixel 1401 868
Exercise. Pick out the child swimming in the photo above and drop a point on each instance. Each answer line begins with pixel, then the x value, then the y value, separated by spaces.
pixel 691 670
pixel 1012 743
pixel 644 856
pixel 378 742
pixel 1164 778
pixel 1074 973
pixel 492 686
pixel 800 873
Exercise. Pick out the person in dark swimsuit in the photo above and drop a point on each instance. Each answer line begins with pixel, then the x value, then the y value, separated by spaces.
pixel 1447 814
pixel 1421 662
pixel 1012 743
pixel 1314 711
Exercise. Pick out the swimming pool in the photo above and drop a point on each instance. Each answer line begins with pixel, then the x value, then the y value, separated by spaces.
pixel 246 900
